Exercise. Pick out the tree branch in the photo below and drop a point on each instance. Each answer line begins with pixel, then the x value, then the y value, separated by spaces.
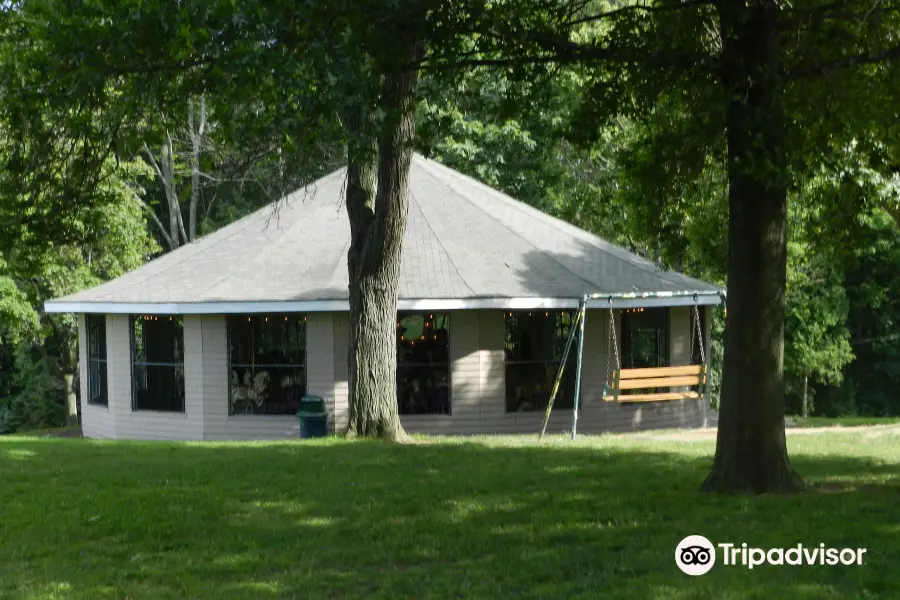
pixel 825 68
pixel 639 7
pixel 156 220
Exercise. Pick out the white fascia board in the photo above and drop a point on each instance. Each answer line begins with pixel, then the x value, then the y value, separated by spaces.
pixel 287 306
pixel 655 302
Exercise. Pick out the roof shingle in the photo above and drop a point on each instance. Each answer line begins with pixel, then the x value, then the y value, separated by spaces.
pixel 464 240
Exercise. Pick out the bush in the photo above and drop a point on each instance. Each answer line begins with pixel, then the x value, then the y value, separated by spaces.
pixel 41 399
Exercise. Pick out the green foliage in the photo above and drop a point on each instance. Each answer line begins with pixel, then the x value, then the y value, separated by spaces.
pixel 38 348
pixel 41 398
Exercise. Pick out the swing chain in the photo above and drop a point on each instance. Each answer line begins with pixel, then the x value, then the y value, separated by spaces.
pixel 699 336
pixel 612 344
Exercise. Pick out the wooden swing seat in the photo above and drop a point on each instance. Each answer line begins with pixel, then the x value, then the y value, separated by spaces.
pixel 660 377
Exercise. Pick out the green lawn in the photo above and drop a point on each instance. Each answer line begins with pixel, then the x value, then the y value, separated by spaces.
pixel 842 421
pixel 451 518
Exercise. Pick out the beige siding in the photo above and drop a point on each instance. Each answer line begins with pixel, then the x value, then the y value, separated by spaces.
pixel 320 360
pixel 595 415
pixel 680 335
pixel 341 329
pixel 96 421
pixel 477 378
pixel 149 425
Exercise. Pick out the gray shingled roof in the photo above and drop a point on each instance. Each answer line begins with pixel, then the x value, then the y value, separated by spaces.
pixel 464 241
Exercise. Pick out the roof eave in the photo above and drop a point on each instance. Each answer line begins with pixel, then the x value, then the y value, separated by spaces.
pixel 649 299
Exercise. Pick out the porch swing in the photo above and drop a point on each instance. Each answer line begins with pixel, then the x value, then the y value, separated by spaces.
pixel 619 379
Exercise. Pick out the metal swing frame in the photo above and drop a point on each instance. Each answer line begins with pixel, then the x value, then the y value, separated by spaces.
pixel 635 378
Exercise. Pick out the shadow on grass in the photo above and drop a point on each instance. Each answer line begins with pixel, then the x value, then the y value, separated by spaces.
pixel 455 519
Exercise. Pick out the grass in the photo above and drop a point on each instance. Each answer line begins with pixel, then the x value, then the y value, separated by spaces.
pixel 842 421
pixel 443 518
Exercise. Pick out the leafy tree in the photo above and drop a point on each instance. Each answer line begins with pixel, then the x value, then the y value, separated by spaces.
pixel 40 348
pixel 769 88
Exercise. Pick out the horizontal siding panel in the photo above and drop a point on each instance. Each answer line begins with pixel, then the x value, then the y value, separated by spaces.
pixel 477 377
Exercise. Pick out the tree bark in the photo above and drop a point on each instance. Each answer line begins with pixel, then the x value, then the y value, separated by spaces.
pixel 377 205
pixel 751 454
pixel 804 407
pixel 196 149
pixel 71 400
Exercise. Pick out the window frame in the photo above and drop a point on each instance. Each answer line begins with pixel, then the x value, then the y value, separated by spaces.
pixel 132 320
pixel 627 349
pixel 429 314
pixel 229 319
pixel 560 338
pixel 92 323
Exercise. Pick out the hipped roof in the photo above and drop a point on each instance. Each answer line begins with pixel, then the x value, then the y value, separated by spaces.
pixel 464 241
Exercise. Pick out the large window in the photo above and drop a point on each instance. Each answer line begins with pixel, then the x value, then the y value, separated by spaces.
pixel 645 338
pixel 423 364
pixel 96 357
pixel 157 363
pixel 535 343
pixel 267 355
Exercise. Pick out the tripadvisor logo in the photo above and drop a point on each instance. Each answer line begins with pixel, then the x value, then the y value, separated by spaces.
pixel 696 555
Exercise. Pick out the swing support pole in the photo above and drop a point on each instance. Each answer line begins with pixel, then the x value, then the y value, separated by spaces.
pixel 583 310
pixel 579 318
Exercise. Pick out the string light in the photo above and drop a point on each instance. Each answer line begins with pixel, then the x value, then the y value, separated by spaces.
pixel 421 337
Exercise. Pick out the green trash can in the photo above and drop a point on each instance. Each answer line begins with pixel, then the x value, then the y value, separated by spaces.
pixel 313 418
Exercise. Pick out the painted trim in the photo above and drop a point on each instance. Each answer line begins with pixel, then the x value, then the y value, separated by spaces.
pixel 282 306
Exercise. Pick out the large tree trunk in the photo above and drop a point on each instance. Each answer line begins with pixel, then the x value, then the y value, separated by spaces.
pixel 751 454
pixel 377 230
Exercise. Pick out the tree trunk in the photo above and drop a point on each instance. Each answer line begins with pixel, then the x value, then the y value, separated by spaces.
pixel 71 400
pixel 377 230
pixel 751 454
pixel 804 407
pixel 196 149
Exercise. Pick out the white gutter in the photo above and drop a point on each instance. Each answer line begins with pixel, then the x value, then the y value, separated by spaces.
pixel 280 306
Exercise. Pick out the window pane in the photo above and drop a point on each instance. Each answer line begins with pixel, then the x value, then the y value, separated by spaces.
pixel 96 345
pixel 267 364
pixel 158 363
pixel 645 337
pixel 535 344
pixel 423 364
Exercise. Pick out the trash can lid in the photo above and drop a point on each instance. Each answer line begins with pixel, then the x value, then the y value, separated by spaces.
pixel 311 405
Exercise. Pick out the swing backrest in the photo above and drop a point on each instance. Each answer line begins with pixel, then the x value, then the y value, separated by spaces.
pixel 659 377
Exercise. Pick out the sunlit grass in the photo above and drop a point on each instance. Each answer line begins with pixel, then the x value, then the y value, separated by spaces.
pixel 474 517
pixel 843 421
